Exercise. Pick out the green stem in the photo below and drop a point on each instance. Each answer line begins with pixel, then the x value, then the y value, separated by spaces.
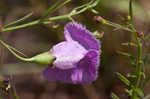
pixel 139 65
pixel 20 20
pixel 46 21
pixel 117 26
pixel 16 55
pixel 52 9
pixel 130 10
pixel 45 58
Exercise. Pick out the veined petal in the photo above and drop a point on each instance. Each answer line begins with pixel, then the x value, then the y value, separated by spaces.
pixel 55 74
pixel 77 32
pixel 89 65
pixel 68 54
pixel 77 75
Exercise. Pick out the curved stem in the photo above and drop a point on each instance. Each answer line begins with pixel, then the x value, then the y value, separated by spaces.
pixel 16 55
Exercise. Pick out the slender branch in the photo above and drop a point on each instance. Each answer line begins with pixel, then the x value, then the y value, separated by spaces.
pixel 139 64
pixel 20 20
pixel 117 26
pixel 48 20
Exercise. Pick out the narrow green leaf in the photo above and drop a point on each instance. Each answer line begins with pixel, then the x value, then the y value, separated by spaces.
pixel 50 10
pixel 19 52
pixel 117 26
pixel 123 79
pixel 12 48
pixel 131 76
pixel 94 11
pixel 82 6
pixel 129 44
pixel 48 20
pixel 133 58
pixel 19 21
pixel 114 96
pixel 53 8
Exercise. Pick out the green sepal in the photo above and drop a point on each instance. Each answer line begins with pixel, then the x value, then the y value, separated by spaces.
pixel 45 58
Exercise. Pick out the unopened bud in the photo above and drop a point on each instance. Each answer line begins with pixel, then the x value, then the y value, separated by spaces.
pixel 128 18
pixel 140 34
pixel 99 19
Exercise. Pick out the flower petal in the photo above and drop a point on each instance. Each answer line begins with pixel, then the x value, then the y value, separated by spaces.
pixel 68 54
pixel 89 65
pixel 84 73
pixel 77 75
pixel 55 74
pixel 77 32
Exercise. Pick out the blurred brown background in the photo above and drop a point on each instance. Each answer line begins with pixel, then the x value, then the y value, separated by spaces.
pixel 27 78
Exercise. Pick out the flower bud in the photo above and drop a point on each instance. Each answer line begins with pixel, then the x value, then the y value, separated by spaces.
pixel 140 34
pixel 128 18
pixel 99 19
pixel 45 58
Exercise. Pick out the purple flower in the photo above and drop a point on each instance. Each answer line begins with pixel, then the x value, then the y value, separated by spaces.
pixel 77 58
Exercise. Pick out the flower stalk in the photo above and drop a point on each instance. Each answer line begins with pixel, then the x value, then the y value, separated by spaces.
pixel 45 58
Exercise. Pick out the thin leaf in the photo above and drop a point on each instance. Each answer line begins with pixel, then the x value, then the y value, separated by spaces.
pixel 20 20
pixel 52 9
pixel 114 96
pixel 14 49
pixel 82 6
pixel 117 26
pixel 129 44
pixel 131 76
pixel 123 79
pixel 94 11
pixel 133 58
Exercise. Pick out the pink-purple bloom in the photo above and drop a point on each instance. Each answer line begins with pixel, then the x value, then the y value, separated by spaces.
pixel 77 58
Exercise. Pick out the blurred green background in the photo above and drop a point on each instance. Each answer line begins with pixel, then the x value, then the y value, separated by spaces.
pixel 27 78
